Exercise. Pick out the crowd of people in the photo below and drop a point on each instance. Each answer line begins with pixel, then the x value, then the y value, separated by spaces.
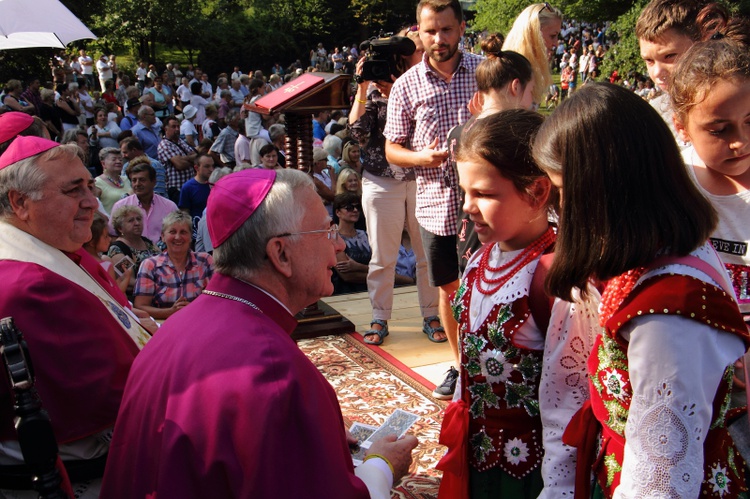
pixel 588 270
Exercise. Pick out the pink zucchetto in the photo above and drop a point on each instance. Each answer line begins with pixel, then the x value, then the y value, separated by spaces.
pixel 233 199
pixel 25 147
pixel 13 123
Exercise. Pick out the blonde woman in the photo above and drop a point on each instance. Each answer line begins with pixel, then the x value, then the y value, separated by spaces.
pixel 534 35
pixel 349 180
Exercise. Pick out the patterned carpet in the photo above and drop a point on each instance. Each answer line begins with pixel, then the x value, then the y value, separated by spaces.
pixel 370 385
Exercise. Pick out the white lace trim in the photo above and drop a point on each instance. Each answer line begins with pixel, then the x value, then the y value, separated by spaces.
pixel 664 447
pixel 564 386
pixel 518 286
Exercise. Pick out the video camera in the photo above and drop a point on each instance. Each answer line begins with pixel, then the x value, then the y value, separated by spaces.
pixel 382 55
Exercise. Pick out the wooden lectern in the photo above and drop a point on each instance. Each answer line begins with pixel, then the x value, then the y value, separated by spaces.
pixel 298 99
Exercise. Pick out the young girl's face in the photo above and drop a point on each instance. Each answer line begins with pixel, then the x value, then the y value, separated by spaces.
pixel 527 97
pixel 499 211
pixel 719 128
pixel 102 245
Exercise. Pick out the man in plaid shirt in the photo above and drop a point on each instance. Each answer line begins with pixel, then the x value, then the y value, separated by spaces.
pixel 424 104
pixel 177 157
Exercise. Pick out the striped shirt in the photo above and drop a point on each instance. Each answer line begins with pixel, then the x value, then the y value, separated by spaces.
pixel 422 106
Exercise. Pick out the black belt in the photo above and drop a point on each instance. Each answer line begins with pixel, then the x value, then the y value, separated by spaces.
pixel 19 476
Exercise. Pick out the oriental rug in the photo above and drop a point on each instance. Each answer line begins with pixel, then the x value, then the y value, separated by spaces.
pixel 370 385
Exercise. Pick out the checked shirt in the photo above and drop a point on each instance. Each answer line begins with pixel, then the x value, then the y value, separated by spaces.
pixel 422 106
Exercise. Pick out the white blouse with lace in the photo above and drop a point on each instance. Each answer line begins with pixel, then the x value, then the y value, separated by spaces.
pixel 675 366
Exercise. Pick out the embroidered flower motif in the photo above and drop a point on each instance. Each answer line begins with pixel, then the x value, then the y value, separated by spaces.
pixel 614 384
pixel 494 366
pixel 666 436
pixel 720 480
pixel 516 451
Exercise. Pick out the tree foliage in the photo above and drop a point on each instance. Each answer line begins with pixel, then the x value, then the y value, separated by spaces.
pixel 624 55
pixel 498 15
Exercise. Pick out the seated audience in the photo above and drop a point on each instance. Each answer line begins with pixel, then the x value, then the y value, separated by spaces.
pixel 98 246
pixel 131 243
pixel 113 185
pixel 349 180
pixel 131 148
pixel 352 264
pixel 194 194
pixel 222 150
pixel 269 158
pixel 188 132
pixel 142 178
pixel 104 133
pixel 324 178
pixel 169 281
pixel 350 157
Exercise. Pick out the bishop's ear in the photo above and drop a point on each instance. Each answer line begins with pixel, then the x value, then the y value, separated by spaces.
pixel 278 256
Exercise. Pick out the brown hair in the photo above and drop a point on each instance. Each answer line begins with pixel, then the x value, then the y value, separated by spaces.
pixel 504 140
pixel 98 226
pixel 725 56
pixel 501 68
pixel 141 164
pixel 626 195
pixel 660 16
pixel 439 6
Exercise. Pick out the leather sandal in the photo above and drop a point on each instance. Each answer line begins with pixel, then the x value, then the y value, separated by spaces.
pixel 430 331
pixel 382 333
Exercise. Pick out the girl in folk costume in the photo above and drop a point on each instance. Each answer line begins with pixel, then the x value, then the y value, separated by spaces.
pixel 513 339
pixel 661 370
pixel 710 94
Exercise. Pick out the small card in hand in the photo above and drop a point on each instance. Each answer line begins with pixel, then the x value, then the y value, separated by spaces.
pixel 361 432
pixel 397 424
pixel 123 265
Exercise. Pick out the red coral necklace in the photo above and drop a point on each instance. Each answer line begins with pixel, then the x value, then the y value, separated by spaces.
pixel 526 256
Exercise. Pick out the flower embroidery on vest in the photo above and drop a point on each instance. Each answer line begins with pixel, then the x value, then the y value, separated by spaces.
pixel 719 480
pixel 516 451
pixel 494 367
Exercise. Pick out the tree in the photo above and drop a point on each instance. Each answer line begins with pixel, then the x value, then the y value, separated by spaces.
pixel 624 55
pixel 497 15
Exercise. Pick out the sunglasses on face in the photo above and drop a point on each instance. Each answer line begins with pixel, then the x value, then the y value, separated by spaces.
pixel 352 207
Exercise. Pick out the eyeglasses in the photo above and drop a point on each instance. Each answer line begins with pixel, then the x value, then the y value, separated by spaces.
pixel 352 207
pixel 332 232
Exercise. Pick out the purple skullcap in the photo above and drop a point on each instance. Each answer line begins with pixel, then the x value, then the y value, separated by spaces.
pixel 233 199
pixel 25 147
pixel 13 123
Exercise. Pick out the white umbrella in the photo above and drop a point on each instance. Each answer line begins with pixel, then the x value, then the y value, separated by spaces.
pixel 38 23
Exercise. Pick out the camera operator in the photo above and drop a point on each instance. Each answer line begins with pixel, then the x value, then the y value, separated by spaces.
pixel 388 193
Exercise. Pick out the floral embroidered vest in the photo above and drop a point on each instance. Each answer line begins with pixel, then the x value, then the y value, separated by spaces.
pixel 611 392
pixel 501 380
